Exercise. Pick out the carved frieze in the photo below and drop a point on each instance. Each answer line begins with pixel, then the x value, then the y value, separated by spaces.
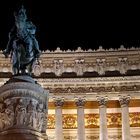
pixel 98 89
pixel 22 112
pixel 23 104
pixel 134 119
pixel 92 120
pixel 69 121
pixel 51 121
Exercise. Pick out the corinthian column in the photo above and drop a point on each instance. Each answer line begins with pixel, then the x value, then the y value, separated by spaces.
pixel 80 102
pixel 103 120
pixel 58 119
pixel 124 101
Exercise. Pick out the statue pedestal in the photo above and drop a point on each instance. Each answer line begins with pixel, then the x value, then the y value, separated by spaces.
pixel 23 110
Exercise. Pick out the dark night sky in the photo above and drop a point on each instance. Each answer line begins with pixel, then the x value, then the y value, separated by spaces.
pixel 70 24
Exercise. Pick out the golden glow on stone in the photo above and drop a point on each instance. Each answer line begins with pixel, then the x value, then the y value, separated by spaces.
pixel 92 120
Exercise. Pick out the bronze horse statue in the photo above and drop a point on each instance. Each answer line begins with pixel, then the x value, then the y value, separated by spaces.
pixel 22 44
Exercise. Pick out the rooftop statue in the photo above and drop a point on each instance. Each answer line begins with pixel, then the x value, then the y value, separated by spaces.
pixel 22 44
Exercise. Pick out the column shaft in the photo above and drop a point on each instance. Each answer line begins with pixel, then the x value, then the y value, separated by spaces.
pixel 58 119
pixel 80 102
pixel 103 119
pixel 124 101
pixel 81 123
pixel 58 124
pixel 103 123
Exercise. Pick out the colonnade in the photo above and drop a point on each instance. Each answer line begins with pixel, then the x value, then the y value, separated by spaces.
pixel 102 102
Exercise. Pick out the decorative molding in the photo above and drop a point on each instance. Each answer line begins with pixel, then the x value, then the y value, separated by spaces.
pixel 100 49
pixel 105 89
pixel 134 119
pixel 92 120
pixel 93 80
pixel 69 121
pixel 100 80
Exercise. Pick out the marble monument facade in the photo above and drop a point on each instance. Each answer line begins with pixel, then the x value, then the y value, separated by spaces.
pixel 93 94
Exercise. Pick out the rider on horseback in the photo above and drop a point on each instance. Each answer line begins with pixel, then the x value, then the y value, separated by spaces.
pixel 23 31
pixel 22 42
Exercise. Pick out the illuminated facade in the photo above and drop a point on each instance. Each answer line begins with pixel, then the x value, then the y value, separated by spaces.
pixel 94 94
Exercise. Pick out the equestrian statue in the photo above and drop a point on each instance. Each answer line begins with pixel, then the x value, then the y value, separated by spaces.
pixel 22 45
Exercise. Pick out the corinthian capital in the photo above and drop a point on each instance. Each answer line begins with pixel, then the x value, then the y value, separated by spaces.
pixel 59 102
pixel 80 102
pixel 102 101
pixel 124 100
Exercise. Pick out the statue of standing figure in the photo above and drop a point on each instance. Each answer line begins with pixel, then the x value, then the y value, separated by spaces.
pixel 22 45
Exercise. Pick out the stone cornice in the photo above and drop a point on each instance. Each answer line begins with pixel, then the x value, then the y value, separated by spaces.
pixel 100 49
pixel 121 79
pixel 101 53
pixel 89 80
pixel 65 55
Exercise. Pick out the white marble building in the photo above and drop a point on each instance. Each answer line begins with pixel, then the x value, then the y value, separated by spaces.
pixel 94 94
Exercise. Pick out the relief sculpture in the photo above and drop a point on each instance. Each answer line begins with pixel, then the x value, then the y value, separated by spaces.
pixel 22 112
